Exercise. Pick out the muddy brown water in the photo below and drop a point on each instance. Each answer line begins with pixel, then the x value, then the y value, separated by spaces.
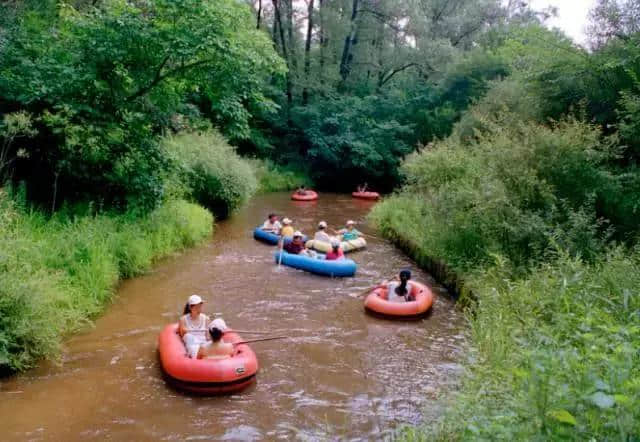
pixel 343 375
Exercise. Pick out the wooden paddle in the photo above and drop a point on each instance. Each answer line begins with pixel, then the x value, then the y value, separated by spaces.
pixel 248 332
pixel 280 256
pixel 365 291
pixel 260 340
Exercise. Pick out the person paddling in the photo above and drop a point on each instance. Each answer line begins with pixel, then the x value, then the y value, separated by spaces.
pixel 350 232
pixel 192 325
pixel 321 234
pixel 216 348
pixel 272 224
pixel 400 291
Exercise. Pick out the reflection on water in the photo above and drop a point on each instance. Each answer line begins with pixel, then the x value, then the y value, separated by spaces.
pixel 341 375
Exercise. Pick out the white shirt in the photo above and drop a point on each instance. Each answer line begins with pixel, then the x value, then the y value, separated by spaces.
pixel 392 296
pixel 274 227
pixel 321 235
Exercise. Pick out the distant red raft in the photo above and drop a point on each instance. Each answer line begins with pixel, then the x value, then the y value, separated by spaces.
pixel 376 302
pixel 206 376
pixel 366 195
pixel 310 195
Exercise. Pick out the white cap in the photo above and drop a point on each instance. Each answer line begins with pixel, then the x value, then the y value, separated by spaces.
pixel 335 243
pixel 350 222
pixel 195 299
pixel 286 221
pixel 297 233
pixel 322 224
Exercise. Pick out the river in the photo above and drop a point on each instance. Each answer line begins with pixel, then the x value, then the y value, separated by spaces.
pixel 342 374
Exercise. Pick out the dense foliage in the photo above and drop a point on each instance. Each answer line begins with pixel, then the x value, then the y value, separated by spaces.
pixel 98 84
pixel 57 273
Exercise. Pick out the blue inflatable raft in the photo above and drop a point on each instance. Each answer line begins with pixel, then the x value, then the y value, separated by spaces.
pixel 271 238
pixel 319 265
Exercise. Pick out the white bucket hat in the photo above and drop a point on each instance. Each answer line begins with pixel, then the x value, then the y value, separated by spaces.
pixel 322 224
pixel 195 300
pixel 297 233
pixel 350 222
pixel 286 221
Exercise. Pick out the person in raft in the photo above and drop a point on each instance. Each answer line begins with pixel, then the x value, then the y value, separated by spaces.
pixel 287 228
pixel 400 290
pixel 272 224
pixel 321 234
pixel 350 232
pixel 301 190
pixel 362 188
pixel 335 252
pixel 216 348
pixel 193 325
pixel 297 246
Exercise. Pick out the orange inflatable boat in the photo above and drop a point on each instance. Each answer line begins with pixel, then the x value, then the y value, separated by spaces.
pixel 376 302
pixel 366 195
pixel 309 196
pixel 206 376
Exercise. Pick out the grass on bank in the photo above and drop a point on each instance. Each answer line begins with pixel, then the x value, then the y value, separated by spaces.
pixel 524 214
pixel 57 273
pixel 276 178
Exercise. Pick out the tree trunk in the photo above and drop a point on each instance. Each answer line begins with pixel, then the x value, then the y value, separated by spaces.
pixel 322 40
pixel 285 54
pixel 259 14
pixel 345 62
pixel 307 49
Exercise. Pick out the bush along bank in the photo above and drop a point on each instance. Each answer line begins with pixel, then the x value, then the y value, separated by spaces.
pixel 273 177
pixel 524 214
pixel 59 272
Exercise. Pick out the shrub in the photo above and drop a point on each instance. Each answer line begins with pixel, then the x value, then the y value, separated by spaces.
pixel 215 176
pixel 274 177
pixel 57 273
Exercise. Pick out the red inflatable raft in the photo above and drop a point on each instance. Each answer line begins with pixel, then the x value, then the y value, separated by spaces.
pixel 376 302
pixel 206 376
pixel 309 196
pixel 366 195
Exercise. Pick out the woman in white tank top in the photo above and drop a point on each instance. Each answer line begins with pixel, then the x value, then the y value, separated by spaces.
pixel 193 325
pixel 400 291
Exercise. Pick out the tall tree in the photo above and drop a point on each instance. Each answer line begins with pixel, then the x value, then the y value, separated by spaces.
pixel 307 49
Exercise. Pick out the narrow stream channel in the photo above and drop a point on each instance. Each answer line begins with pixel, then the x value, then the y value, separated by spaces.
pixel 342 375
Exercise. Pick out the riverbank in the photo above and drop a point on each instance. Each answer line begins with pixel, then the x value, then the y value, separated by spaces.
pixel 553 319
pixel 57 273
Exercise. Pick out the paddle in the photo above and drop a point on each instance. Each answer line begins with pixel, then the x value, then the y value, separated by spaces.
pixel 249 332
pixel 367 290
pixel 280 256
pixel 260 340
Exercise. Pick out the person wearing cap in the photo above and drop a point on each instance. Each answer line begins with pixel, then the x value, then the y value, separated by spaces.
pixel 321 234
pixel 350 232
pixel 216 348
pixel 272 224
pixel 193 325
pixel 287 229
pixel 295 246
pixel 399 289
pixel 335 252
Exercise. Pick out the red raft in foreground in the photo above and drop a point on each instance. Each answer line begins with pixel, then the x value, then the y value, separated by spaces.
pixel 376 302
pixel 310 195
pixel 206 376
pixel 366 195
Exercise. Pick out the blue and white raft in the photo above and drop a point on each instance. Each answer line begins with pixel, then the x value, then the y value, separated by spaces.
pixel 271 238
pixel 318 265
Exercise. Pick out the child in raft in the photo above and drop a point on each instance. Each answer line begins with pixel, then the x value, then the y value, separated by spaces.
pixel 217 348
pixel 400 291
pixel 297 246
pixel 335 252
pixel 350 232
pixel 272 224
pixel 193 324
pixel 287 229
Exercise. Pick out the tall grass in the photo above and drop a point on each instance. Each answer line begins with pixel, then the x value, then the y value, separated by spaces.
pixel 276 178
pixel 525 214
pixel 57 273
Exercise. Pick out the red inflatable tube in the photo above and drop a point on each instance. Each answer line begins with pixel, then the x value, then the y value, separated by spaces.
pixel 206 376
pixel 366 195
pixel 309 196
pixel 376 302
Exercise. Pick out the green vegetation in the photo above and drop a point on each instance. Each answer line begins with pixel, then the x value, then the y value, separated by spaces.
pixel 275 178
pixel 56 273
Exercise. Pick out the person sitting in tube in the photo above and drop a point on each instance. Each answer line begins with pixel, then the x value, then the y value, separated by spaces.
pixel 287 229
pixel 350 232
pixel 272 224
pixel 363 188
pixel 399 289
pixel 216 348
pixel 335 252
pixel 321 234
pixel 192 326
pixel 297 246
pixel 301 190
